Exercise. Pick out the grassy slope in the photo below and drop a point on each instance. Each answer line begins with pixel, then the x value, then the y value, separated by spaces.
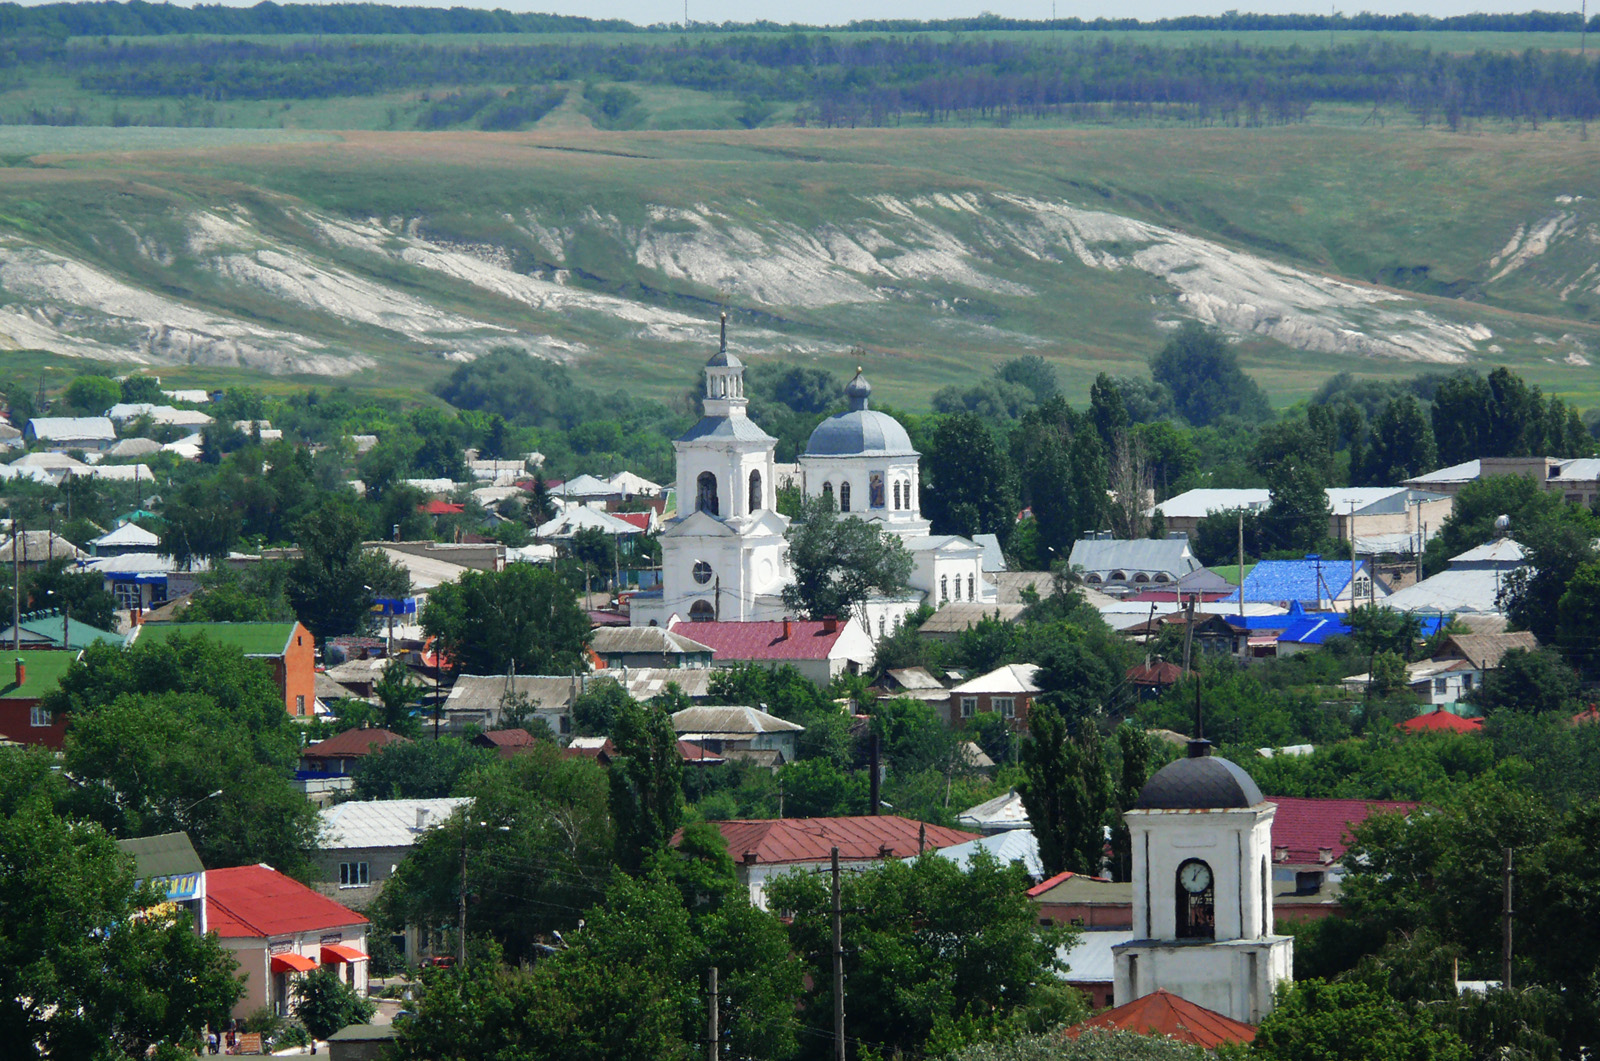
pixel 1355 202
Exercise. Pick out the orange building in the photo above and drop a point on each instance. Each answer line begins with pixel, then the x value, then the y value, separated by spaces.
pixel 287 647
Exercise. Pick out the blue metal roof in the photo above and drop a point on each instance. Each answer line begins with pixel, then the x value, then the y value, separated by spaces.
pixel 1272 581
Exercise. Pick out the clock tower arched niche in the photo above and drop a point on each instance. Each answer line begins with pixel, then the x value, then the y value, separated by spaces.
pixel 1202 891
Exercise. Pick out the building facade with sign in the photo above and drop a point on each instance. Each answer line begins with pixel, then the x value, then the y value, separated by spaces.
pixel 279 930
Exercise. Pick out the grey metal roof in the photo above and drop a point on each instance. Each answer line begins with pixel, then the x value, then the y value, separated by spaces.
pixel 383 822
pixel 643 639
pixel 1205 783
pixel 956 616
pixel 69 428
pixel 474 692
pixel 165 855
pixel 1012 845
pixel 728 721
pixel 993 558
pixel 1168 555
pixel 860 433
pixel 737 428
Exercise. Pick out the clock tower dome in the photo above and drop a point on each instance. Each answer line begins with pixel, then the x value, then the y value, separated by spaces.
pixel 1202 891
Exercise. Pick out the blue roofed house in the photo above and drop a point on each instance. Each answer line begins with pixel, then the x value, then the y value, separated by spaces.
pixel 1315 583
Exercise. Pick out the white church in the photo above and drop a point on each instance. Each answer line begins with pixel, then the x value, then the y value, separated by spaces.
pixel 724 557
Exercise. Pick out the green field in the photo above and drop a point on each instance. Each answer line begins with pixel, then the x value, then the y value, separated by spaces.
pixel 1420 214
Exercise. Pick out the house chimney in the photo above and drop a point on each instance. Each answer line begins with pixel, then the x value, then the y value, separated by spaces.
pixel 830 624
pixel 22 673
pixel 136 615
pixel 422 818
pixel 788 628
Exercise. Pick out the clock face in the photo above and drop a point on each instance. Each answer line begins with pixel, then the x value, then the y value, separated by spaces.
pixel 1195 877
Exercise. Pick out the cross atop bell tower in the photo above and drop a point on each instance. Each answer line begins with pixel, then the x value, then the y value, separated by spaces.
pixel 724 395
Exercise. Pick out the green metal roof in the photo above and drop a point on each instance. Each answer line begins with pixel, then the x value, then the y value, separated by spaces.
pixel 50 626
pixel 254 639
pixel 44 669
pixel 166 855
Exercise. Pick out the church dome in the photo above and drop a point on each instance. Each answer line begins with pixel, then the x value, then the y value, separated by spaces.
pixel 860 432
pixel 1202 783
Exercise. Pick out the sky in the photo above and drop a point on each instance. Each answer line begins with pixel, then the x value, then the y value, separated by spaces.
pixel 838 12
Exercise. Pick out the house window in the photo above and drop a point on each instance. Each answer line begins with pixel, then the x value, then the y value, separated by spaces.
pixel 352 874
pixel 1466 683
pixel 1007 706
pixel 969 706
pixel 881 625
pixel 300 704
pixel 566 724
pixel 755 491
pixel 1439 685
pixel 127 594
pixel 844 497
pixel 39 715
pixel 706 494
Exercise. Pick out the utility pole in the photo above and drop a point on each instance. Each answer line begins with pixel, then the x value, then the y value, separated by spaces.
pixel 1188 627
pixel 1505 929
pixel 873 781
pixel 1241 562
pixel 838 964
pixel 16 584
pixel 461 943
pixel 1351 527
pixel 711 1018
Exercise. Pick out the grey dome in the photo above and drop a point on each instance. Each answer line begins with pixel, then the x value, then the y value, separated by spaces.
pixel 858 390
pixel 860 433
pixel 723 359
pixel 1205 783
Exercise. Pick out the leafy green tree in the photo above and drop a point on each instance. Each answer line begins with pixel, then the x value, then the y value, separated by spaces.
pixel 646 778
pixel 203 525
pixel 1093 1045
pixel 1077 673
pixel 1556 547
pixel 1578 618
pixel 324 1003
pixel 186 734
pixel 597 552
pixel 333 585
pixel 1067 792
pixel 82 596
pixel 1064 476
pixel 1203 375
pixel 1297 518
pixel 1388 673
pixel 1031 372
pixel 254 595
pixel 92 395
pixel 141 389
pixel 1137 763
pixel 934 957
pixel 523 618
pixel 424 769
pixel 1319 1021
pixel 1460 415
pixel 1402 444
pixel 84 975
pixel 816 788
pixel 1478 505
pixel 839 562
pixel 595 710
pixel 398 692
pixel 1374 629
pixel 967 484
pixel 1108 411
pixel 1527 682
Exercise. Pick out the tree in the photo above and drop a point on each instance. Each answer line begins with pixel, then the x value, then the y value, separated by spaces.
pixel 934 956
pixel 1093 1045
pixel 425 769
pixel 324 1003
pixel 646 778
pixel 89 966
pixel 1108 411
pixel 141 389
pixel 336 580
pixel 1137 759
pixel 1031 372
pixel 597 552
pixel 1297 517
pixel 1556 546
pixel 1077 674
pixel 82 596
pixel 1203 375
pixel 1578 618
pixel 1527 682
pixel 839 562
pixel 1066 791
pixel 186 734
pixel 967 485
pixel 398 692
pixel 1376 629
pixel 1478 506
pixel 201 526
pixel 1388 674
pixel 1349 1021
pixel 92 395
pixel 1402 444
pixel 523 619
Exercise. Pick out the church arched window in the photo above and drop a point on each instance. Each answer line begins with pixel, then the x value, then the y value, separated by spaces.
pixel 958 587
pixel 702 611
pixel 944 588
pixel 706 494
pixel 844 497
pixel 755 491
pixel 1196 895
pixel 897 497
pixel 827 494
pixel 972 587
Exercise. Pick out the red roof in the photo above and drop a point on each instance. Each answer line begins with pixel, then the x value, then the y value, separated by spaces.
pixel 258 901
pixel 1163 1013
pixel 766 640
pixel 1441 721
pixel 1066 874
pixel 506 738
pixel 1160 673
pixel 812 839
pixel 1308 827
pixel 1591 715
pixel 638 519
pixel 353 744
pixel 601 617
pixel 440 508
pixel 690 752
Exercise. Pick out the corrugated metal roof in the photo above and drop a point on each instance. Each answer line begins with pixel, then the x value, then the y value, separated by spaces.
pixel 1464 472
pixel 258 902
pixel 352 744
pixel 1197 504
pixel 1484 651
pixel 253 639
pixel 1005 811
pixel 737 428
pixel 38 546
pixel 129 534
pixel 1165 1014
pixel 1013 845
pixel 699 723
pixel 643 639
pixel 71 428
pixel 1011 678
pixel 1170 556
pixel 165 855
pixel 994 558
pixel 1499 551
pixel 1305 581
pixel 578 518
pixel 956 616
pixel 1473 591
pixel 1306 828
pixel 766 640
pixel 862 838
pixel 1090 959
pixel 384 822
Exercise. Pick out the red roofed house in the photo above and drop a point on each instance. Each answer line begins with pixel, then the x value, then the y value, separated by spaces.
pixel 278 929
pixel 820 650
pixel 437 507
pixel 1309 837
pixel 1441 721
pixel 506 743
pixel 342 753
pixel 1163 1013
pixel 770 847
pixel 1150 679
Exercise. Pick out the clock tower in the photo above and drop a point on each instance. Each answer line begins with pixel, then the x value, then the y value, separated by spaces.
pixel 1202 891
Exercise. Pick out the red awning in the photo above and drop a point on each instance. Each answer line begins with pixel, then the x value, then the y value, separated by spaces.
pixel 292 963
pixel 336 952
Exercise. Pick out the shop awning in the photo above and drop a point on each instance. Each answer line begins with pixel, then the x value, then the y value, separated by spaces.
pixel 292 963
pixel 337 952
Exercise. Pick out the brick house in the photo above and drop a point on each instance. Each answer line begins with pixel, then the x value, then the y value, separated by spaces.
pixel 1007 691
pixel 33 675
pixel 287 647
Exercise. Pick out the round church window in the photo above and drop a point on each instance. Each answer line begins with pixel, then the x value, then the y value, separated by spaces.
pixel 702 572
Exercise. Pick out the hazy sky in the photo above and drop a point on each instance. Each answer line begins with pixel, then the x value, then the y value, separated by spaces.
pixel 836 12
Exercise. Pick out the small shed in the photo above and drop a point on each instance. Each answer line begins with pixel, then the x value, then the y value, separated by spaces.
pixel 360 1042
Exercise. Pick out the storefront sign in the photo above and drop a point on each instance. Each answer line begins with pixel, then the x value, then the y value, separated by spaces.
pixel 280 947
pixel 332 937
